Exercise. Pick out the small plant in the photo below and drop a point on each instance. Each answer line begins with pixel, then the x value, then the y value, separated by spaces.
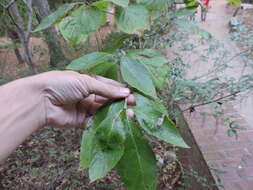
pixel 112 140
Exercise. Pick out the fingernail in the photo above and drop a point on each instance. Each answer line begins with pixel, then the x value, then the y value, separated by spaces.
pixel 131 100
pixel 124 91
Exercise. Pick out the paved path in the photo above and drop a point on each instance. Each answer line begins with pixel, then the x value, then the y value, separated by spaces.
pixel 234 157
pixel 217 25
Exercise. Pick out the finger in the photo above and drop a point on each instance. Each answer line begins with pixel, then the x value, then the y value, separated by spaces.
pixel 80 120
pixel 97 87
pixel 109 81
pixel 131 100
pixel 101 99
pixel 130 114
pixel 84 121
pixel 86 103
pixel 95 107
pixel 91 104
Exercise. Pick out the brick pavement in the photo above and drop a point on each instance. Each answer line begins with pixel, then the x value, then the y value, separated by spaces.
pixel 234 157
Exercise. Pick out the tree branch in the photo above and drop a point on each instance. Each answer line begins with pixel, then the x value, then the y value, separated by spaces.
pixel 16 18
pixel 30 18
pixel 236 55
pixel 8 5
pixel 192 107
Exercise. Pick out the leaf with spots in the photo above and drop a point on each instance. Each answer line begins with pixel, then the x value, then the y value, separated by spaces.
pixel 137 166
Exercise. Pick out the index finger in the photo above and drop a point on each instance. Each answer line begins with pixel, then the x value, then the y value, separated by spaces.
pixel 109 81
pixel 94 86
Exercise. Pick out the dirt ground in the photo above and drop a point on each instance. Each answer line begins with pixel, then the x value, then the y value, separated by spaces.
pixel 49 159
pixel 9 66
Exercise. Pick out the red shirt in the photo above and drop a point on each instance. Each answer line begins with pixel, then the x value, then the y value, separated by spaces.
pixel 206 2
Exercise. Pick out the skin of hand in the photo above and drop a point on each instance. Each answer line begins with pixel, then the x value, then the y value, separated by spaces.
pixel 56 98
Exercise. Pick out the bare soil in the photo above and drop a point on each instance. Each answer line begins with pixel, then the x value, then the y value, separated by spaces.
pixel 49 159
pixel 9 66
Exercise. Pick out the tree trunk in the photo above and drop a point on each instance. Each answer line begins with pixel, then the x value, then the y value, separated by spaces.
pixel 28 57
pixel 13 35
pixel 19 56
pixel 56 55
pixel 23 36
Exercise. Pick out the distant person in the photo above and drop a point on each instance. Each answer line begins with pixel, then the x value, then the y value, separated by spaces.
pixel 206 3
pixel 56 98
pixel 204 9
pixel 192 5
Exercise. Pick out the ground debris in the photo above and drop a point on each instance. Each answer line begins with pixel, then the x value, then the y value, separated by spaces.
pixel 49 159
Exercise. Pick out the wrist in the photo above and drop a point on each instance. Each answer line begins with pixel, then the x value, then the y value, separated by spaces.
pixel 37 94
pixel 22 113
pixel 25 96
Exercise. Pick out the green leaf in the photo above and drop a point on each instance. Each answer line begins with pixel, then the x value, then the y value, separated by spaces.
pixel 55 16
pixel 114 41
pixel 153 118
pixel 103 161
pixel 143 2
pixel 159 5
pixel 156 8
pixel 99 116
pixel 111 130
pixel 103 7
pixel 81 23
pixel 112 73
pixel 137 166
pixel 111 136
pixel 108 110
pixel 90 19
pixel 122 3
pixel 97 157
pixel 236 3
pixel 150 56
pixel 191 3
pixel 102 69
pixel 90 61
pixel 155 63
pixel 87 147
pixel 115 108
pixel 71 31
pixel 133 19
pixel 156 106
pixel 137 76
pixel 185 12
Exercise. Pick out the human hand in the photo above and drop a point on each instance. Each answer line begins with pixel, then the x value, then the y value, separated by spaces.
pixel 71 98
pixel 56 98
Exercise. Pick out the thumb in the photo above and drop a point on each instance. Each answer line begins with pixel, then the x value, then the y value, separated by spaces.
pixel 97 87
